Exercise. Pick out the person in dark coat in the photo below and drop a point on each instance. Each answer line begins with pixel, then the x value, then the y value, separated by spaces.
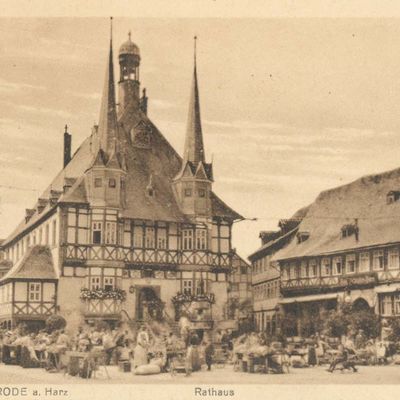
pixel 312 354
pixel 208 353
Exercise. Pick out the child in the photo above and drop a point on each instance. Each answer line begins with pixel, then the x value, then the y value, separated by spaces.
pixel 209 352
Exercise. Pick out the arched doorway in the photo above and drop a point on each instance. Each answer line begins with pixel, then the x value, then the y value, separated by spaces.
pixel 149 305
pixel 361 304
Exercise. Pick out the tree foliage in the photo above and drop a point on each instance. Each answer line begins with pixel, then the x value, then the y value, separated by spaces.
pixel 55 322
pixel 347 320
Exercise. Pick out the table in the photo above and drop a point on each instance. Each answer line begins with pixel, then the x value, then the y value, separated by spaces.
pixel 85 363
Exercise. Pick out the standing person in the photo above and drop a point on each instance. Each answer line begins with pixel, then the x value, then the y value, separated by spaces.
pixel 140 356
pixel 359 340
pixel 184 327
pixel 224 340
pixel 109 345
pixel 189 359
pixel 209 352
pixel 381 353
pixel 218 337
pixel 312 354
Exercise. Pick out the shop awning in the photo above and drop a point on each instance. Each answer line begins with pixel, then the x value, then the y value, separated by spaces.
pixel 387 288
pixel 312 297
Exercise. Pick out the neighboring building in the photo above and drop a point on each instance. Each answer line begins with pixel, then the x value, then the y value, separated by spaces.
pixel 5 265
pixel 240 297
pixel 346 249
pixel 127 228
pixel 266 274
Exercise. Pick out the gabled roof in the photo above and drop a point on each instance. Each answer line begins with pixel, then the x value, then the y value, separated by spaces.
pixel 158 159
pixel 362 202
pixel 37 263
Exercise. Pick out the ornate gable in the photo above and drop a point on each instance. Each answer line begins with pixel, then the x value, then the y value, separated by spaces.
pixel 141 135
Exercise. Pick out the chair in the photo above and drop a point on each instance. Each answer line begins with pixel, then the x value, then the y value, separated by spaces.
pixel 96 360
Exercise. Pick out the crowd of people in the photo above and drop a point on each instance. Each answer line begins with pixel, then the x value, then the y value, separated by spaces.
pixel 146 351
pixel 344 353
pixel 151 351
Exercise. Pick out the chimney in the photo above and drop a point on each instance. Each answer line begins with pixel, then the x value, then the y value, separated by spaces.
pixel 67 146
pixel 143 101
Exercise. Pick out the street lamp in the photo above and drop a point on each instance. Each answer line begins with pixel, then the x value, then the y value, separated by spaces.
pixel 347 297
pixel 244 219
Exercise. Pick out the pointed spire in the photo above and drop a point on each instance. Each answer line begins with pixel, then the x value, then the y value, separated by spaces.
pixel 108 126
pixel 194 148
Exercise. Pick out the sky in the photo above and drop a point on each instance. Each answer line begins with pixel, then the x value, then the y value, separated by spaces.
pixel 289 107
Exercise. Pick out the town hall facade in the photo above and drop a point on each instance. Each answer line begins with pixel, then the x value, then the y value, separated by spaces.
pixel 128 229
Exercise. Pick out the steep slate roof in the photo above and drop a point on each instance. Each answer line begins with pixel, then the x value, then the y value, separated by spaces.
pixel 194 147
pixel 37 263
pixel 159 160
pixel 362 202
pixel 280 238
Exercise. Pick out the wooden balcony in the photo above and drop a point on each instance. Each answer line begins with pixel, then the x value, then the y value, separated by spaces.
pixel 105 308
pixel 33 310
pixel 338 282
pixel 76 254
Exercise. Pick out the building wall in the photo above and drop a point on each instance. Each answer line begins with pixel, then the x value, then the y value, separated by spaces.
pixel 47 233
pixel 69 302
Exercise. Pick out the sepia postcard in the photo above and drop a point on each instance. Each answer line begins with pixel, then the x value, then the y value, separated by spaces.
pixel 199 204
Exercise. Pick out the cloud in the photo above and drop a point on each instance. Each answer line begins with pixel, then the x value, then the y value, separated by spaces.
pixel 7 86
pixel 345 134
pixel 161 104
pixel 243 124
pixel 45 110
pixel 90 96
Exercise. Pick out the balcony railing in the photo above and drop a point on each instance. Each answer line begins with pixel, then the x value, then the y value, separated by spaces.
pixel 34 309
pixel 103 308
pixel 340 281
pixel 81 253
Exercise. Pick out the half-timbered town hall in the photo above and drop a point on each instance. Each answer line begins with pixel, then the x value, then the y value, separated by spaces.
pixel 127 229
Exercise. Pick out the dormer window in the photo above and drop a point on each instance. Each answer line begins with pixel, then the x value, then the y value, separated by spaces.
pixel 112 183
pixel 202 193
pixel 392 196
pixel 302 237
pixel 98 182
pixel 349 230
